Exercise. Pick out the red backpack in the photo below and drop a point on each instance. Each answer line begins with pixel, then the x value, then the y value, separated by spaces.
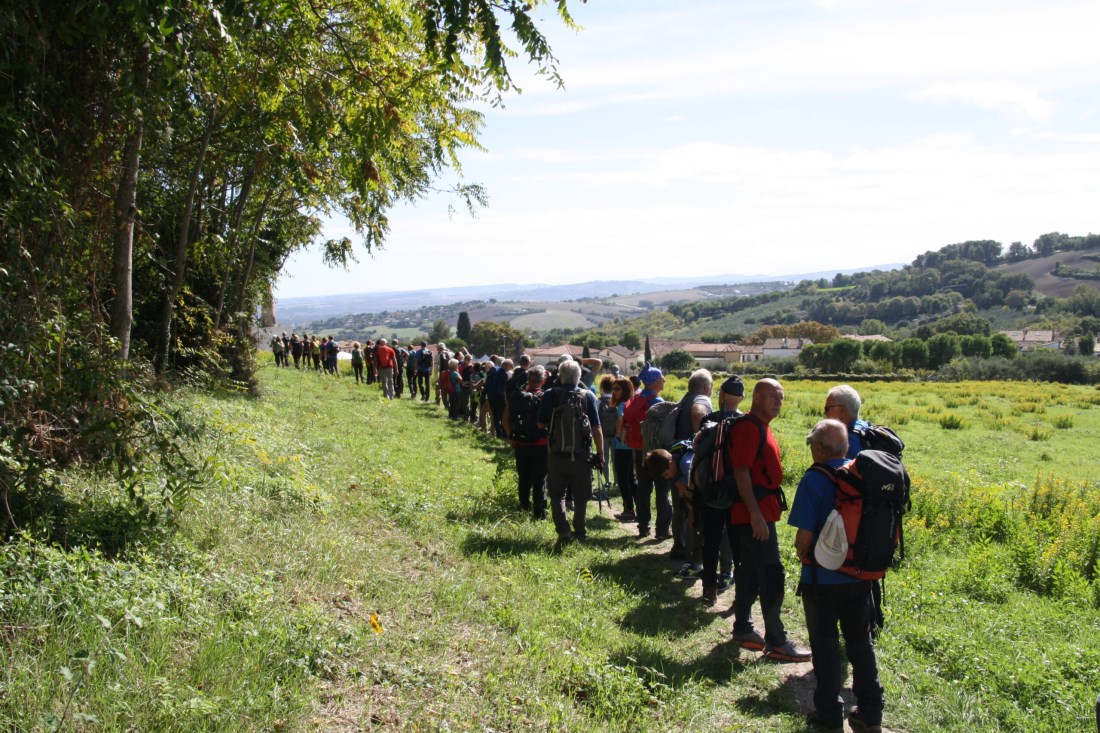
pixel 633 416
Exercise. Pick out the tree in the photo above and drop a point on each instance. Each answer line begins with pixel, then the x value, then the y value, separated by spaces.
pixel 462 330
pixel 586 353
pixel 489 337
pixel 440 332
pixel 872 327
pixel 648 352
pixel 1086 345
pixel 976 346
pixel 942 348
pixel 631 339
pixel 914 353
pixel 1001 345
pixel 677 360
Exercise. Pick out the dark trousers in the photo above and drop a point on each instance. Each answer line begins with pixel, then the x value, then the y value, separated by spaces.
pixel 531 471
pixel 760 574
pixel 720 541
pixel 624 477
pixel 496 406
pixel 358 369
pixel 565 475
pixel 847 606
pixel 648 486
pixel 455 401
pixel 398 382
pixel 423 384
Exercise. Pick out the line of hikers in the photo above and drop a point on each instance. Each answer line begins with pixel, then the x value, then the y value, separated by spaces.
pixel 707 479
pixel 710 481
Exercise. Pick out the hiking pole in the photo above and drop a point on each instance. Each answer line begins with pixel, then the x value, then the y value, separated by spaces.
pixel 600 494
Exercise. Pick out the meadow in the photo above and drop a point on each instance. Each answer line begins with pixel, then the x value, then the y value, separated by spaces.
pixel 355 564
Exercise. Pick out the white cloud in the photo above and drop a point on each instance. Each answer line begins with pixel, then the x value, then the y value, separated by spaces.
pixel 1014 99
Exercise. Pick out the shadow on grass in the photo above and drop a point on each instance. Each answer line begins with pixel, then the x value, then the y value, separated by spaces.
pixel 793 697
pixel 722 665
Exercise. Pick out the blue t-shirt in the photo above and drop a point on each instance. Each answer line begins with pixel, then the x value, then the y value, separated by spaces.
pixel 550 401
pixel 813 500
pixel 685 468
pixel 855 443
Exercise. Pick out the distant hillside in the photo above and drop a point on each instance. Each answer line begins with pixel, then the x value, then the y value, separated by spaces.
pixel 1042 271
pixel 300 311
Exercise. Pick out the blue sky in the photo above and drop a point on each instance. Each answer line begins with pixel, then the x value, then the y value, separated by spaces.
pixel 769 137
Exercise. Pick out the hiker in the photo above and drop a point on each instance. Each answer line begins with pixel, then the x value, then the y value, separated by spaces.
pixel 443 359
pixel 570 416
pixel 296 350
pixel 357 361
pixel 755 461
pixel 477 392
pixel 529 441
pixel 719 538
pixel 410 370
pixel 424 360
pixel 496 381
pixel 674 465
pixel 687 538
pixel 277 350
pixel 843 403
pixel 621 392
pixel 831 598
pixel 330 357
pixel 633 417
pixel 386 358
pixel 401 355
pixel 451 380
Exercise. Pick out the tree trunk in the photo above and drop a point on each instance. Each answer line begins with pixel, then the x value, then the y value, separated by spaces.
pixel 243 292
pixel 231 245
pixel 122 270
pixel 182 244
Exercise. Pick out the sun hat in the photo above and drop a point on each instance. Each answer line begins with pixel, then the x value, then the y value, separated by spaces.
pixel 832 544
pixel 649 374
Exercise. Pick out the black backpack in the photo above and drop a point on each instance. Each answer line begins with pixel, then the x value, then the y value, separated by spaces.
pixel 609 416
pixel 570 429
pixel 880 437
pixel 523 410
pixel 425 360
pixel 711 476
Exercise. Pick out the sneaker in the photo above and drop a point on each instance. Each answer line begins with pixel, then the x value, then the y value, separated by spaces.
pixel 858 726
pixel 750 640
pixel 626 517
pixel 643 531
pixel 816 721
pixel 689 570
pixel 710 596
pixel 788 651
pixel 662 536
pixel 725 580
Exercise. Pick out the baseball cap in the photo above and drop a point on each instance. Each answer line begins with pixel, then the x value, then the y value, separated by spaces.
pixel 733 386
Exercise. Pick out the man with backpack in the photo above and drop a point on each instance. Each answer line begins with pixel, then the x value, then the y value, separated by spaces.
pixel 386 358
pixel 687 540
pixel 520 422
pixel 634 415
pixel 402 355
pixel 571 418
pixel 842 403
pixel 443 358
pixel 832 598
pixel 756 466
pixel 496 383
pixel 423 358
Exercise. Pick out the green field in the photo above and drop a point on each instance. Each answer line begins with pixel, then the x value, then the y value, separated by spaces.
pixel 323 507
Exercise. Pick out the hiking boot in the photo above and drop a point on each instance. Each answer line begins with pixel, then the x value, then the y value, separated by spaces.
pixel 626 517
pixel 815 720
pixel 855 720
pixel 788 651
pixel 689 571
pixel 710 596
pixel 662 536
pixel 643 531
pixel 725 580
pixel 749 640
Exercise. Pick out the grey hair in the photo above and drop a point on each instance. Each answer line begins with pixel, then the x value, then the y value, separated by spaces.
pixel 507 364
pixel 831 436
pixel 847 397
pixel 700 382
pixel 537 373
pixel 452 363
pixel 569 373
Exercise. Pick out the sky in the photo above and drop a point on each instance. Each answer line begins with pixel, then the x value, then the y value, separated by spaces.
pixel 762 137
